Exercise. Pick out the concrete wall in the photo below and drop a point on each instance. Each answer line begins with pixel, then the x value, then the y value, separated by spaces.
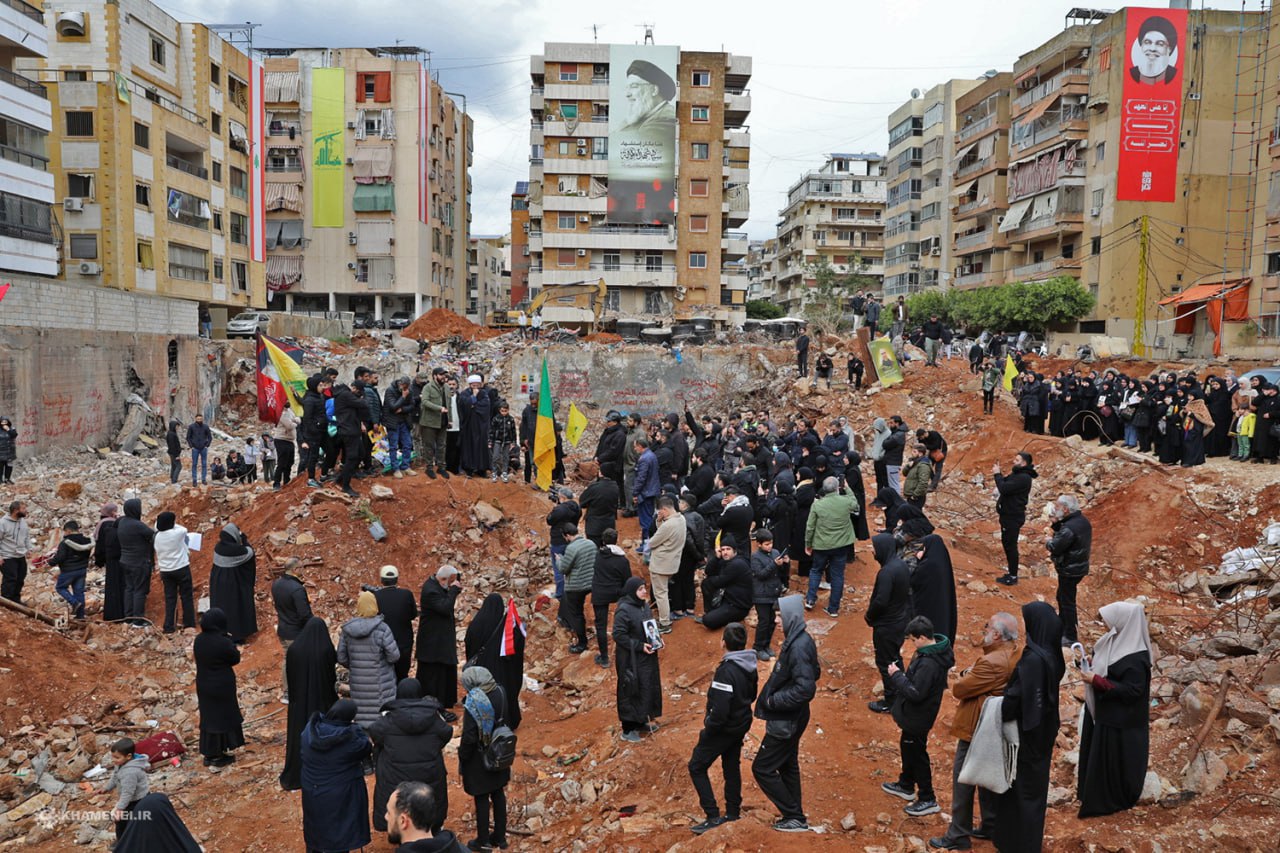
pixel 641 379
pixel 69 356
pixel 309 326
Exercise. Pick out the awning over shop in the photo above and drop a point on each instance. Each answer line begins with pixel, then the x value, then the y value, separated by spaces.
pixel 1017 212
pixel 1222 301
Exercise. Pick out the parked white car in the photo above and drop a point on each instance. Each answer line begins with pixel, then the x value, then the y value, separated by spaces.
pixel 247 324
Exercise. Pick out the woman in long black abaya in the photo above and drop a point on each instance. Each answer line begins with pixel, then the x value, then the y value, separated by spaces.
pixel 1031 700
pixel 1218 399
pixel 155 826
pixel 853 476
pixel 1171 433
pixel 1114 733
pixel 311 664
pixel 231 583
pixel 220 718
pixel 493 627
pixel 106 556
pixel 1195 433
pixel 933 585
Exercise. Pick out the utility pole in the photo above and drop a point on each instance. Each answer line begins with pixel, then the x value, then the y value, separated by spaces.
pixel 1140 312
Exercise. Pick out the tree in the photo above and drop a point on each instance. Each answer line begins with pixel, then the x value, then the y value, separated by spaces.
pixel 826 303
pixel 763 309
pixel 1018 306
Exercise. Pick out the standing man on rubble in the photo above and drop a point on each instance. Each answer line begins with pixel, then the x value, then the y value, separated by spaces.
pixel 630 455
pixel 199 437
pixel 1069 544
pixel 433 417
pixel 802 353
pixel 15 547
pixel 352 415
pixel 373 402
pixel 528 427
pixel 397 409
pixel 611 448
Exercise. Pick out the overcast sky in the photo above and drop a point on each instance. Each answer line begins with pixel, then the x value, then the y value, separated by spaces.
pixel 825 74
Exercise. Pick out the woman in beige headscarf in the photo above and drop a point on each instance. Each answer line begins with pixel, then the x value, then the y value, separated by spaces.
pixel 1114 733
pixel 369 651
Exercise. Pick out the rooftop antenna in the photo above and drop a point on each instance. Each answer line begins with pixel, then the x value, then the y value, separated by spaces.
pixel 595 33
pixel 648 32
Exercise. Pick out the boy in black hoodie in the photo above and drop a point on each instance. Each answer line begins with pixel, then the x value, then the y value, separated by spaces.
pixel 72 560
pixel 917 697
pixel 728 719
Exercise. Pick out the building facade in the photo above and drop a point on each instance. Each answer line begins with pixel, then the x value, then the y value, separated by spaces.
pixel 834 215
pixel 150 154
pixel 27 237
pixel 979 177
pixel 918 210
pixel 367 189
pixel 487 286
pixel 519 263
pixel 666 248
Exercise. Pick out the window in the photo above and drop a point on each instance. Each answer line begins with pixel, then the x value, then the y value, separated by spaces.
pixel 1098 197
pixel 612 260
pixel 80 185
pixel 519 204
pixel 701 79
pixel 217 269
pixel 142 195
pixel 373 86
pixel 79 124
pixel 75 76
pixel 569 112
pixel 239 229
pixel 1095 245
pixel 217 221
pixel 157 52
pixel 600 148
pixel 698 223
pixel 215 74
pixel 84 246
pixel 564 148
pixel 284 160
pixel 215 123
pixel 700 114
pixel 146 255
pixel 25 218
pixel 141 135
pixel 613 299
pixel 566 258
pixel 187 209
pixel 188 262
pixel 700 151
pixel 1273 263
pixel 699 188
pixel 1068 250
pixel 566 222
pixel 238 92
pixel 370 87
pixel 1100 152
pixel 217 172
pixel 1093 327
pixel 697 260
pixel 239 183
pixel 568 73
pixel 653 262
pixel 240 276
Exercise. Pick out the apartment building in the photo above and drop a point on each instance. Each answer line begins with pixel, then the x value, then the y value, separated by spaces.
pixel 27 241
pixel 834 214
pixel 762 271
pixel 979 176
pixel 368 194
pixel 519 263
pixel 150 153
pixel 487 288
pixel 1263 263
pixel 638 173
pixel 918 228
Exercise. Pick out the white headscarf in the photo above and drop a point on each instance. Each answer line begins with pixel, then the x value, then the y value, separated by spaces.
pixel 1128 623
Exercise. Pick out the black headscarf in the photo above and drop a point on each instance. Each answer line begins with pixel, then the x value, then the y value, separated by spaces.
pixel 133 509
pixel 629 589
pixel 1042 666
pixel 310 665
pixel 231 550
pixel 484 625
pixel 156 826
pixel 165 521
pixel 409 688
pixel 343 711
pixel 884 547
pixel 933 586
pixel 912 522
pixel 214 621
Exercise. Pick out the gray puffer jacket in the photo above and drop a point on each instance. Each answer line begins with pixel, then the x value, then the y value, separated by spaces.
pixel 368 650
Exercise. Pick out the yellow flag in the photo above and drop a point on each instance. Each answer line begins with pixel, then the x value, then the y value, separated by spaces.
pixel 575 425
pixel 1010 373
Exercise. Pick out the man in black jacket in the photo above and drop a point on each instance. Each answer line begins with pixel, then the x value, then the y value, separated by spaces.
pixel 352 415
pixel 199 437
pixel 802 354
pixel 313 429
pixel 887 613
pixel 702 479
pixel 919 692
pixel 600 503
pixel 725 725
pixel 732 574
pixel 373 401
pixel 398 609
pixel 565 511
pixel 528 428
pixel 137 558
pixel 72 561
pixel 706 436
pixel 893 446
pixel 397 414
pixel 293 609
pixel 1012 494
pixel 932 329
pixel 609 450
pixel 784 705
pixel 1069 545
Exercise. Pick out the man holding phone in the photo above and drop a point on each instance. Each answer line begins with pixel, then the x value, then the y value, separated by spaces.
pixel 766 584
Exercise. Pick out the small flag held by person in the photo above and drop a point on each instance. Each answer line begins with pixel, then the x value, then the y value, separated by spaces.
pixel 575 426
pixel 1010 372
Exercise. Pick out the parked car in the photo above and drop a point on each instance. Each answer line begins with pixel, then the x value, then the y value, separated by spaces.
pixel 364 320
pixel 400 320
pixel 248 323
pixel 1270 374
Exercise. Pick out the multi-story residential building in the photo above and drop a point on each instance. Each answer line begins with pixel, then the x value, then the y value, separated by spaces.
pixel 27 242
pixel 638 174
pixel 485 281
pixel 150 153
pixel 368 194
pixel 519 264
pixel 918 228
pixel 834 214
pixel 762 275
pixel 979 170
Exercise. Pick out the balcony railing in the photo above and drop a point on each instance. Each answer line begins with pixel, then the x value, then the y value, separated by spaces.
pixel 190 168
pixel 26 9
pixel 973 129
pixel 975 166
pixel 1053 84
pixel 25 158
pixel 973 205
pixel 1034 269
pixel 23 83
pixel 970 240
pixel 654 230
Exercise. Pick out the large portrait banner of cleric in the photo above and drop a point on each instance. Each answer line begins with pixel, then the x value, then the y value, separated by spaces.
pixel 1151 104
pixel 642 133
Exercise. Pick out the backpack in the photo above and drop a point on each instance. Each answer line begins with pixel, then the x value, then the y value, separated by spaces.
pixel 500 752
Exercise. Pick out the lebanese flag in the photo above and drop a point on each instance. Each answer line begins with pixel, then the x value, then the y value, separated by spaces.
pixel 509 626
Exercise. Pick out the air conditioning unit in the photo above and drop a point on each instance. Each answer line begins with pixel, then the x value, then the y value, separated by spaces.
pixel 351 161
pixel 581 143
pixel 1095 211
pixel 582 253
pixel 89 268
pixel 581 151
pixel 584 218
pixel 351 265
pixel 935 251
pixel 74 204
pixel 351 238
pixel 1084 144
pixel 351 125
pixel 526 228
pixel 915 265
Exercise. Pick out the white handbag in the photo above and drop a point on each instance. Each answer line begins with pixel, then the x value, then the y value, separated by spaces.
pixel 992 760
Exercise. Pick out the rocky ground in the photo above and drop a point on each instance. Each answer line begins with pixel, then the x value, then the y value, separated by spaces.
pixel 1160 534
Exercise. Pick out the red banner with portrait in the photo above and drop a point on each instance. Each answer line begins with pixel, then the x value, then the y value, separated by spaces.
pixel 1151 104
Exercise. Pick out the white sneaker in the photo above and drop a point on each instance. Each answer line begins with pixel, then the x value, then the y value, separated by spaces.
pixel 506 478
pixel 409 472
pixel 493 477
pixel 399 475
pixel 824 585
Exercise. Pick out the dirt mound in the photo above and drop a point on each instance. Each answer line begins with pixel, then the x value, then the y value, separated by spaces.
pixel 603 338
pixel 440 324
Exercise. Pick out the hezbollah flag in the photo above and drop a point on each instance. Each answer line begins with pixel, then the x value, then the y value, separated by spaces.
pixel 575 426
pixel 281 381
pixel 544 437
pixel 1010 372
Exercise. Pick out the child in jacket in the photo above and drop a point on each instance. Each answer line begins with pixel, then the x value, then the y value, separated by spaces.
pixel 129 779
pixel 917 697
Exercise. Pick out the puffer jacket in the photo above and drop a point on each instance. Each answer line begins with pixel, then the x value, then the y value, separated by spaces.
pixel 368 650
pixel 733 689
pixel 73 553
pixel 893 445
pixel 612 568
pixel 408 745
pixel 314 426
pixel 1070 546
pixel 349 409
pixel 373 400
pixel 137 548
pixel 578 565
pixel 794 680
pixel 765 583
pixel 918 690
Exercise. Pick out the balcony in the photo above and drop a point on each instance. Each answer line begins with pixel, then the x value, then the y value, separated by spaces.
pixel 24 83
pixel 630 275
pixel 977 279
pixel 22 29
pixel 187 166
pixel 1065 78
pixel 975 167
pixel 1044 269
pixel 975 129
pixel 734 244
pixel 1048 127
pixel 576 166
pixel 576 92
pixel 971 241
pixel 583 129
pixel 970 206
pixel 29 159
pixel 737 138
pixel 737 106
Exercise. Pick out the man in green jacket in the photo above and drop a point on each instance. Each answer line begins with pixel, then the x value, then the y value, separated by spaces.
pixel 916 476
pixel 434 420
pixel 578 565
pixel 828 538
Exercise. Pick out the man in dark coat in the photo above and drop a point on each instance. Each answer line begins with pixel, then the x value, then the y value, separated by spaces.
pixel 724 726
pixel 612 571
pixel 232 581
pixel 702 478
pixel 137 557
pixel 398 609
pixel 335 801
pixel 610 449
pixel 732 574
pixel 408 746
pixel 528 428
pixel 476 408
pixel 600 502
pixel 1012 494
pixel 199 437
pixel 784 705
pixel 293 611
pixel 313 427
pixel 351 413
pixel 311 667
pixel 438 640
pixel 887 613
pixel 735 520
pixel 565 511
pixel 802 354
pixel 1069 547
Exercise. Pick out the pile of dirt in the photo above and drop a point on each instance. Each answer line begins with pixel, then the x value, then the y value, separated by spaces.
pixel 440 324
pixel 602 338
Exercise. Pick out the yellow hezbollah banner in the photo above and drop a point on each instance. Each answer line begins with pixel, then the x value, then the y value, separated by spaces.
pixel 575 426
pixel 885 362
pixel 328 94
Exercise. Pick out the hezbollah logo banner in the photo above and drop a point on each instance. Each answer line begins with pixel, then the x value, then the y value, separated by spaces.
pixel 328 110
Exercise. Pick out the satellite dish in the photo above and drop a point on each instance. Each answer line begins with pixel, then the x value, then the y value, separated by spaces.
pixel 915 93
